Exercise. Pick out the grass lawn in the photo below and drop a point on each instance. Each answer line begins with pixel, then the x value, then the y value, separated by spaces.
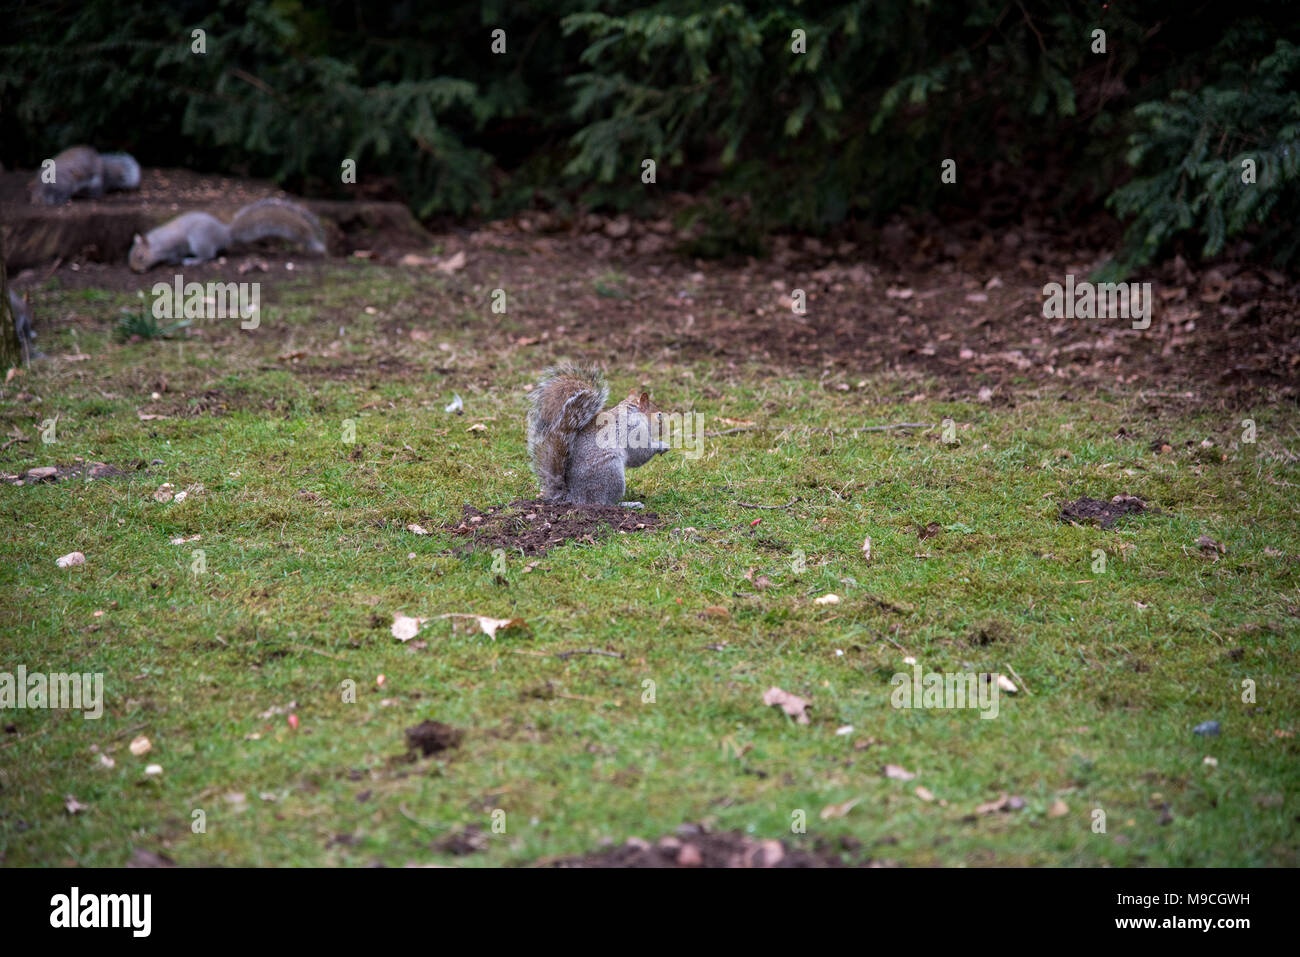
pixel 305 559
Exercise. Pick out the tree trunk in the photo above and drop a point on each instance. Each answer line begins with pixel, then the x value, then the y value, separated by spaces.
pixel 11 350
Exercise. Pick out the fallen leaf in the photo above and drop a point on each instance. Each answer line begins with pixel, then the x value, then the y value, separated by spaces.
pixel 1002 803
pixel 925 794
pixel 141 746
pixel 1058 809
pixel 405 628
pixel 896 772
pixel 73 806
pixel 827 599
pixel 70 559
pixel 490 626
pixel 866 548
pixel 838 810
pixel 1210 548
pixel 791 704
pixel 452 264
pixel 417 529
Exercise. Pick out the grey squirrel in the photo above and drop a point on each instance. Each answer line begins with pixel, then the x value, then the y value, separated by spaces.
pixel 579 449
pixel 197 237
pixel 83 171
pixel 23 324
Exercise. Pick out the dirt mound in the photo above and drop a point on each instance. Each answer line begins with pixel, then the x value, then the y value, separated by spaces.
pixel 430 737
pixel 725 849
pixel 535 526
pixel 1104 513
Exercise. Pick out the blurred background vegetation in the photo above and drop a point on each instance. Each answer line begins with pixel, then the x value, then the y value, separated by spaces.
pixel 833 140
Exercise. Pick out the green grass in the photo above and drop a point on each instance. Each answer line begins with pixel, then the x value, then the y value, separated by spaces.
pixel 299 591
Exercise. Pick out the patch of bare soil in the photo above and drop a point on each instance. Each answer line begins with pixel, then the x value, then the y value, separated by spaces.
pixel 699 849
pixel 961 303
pixel 1101 512
pixel 77 470
pixel 956 306
pixel 535 526
pixel 431 737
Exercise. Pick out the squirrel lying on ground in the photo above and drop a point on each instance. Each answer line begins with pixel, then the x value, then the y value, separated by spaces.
pixel 82 171
pixel 197 237
pixel 578 451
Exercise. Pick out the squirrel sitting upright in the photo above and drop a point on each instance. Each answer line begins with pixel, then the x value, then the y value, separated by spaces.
pixel 579 452
pixel 197 237
pixel 83 171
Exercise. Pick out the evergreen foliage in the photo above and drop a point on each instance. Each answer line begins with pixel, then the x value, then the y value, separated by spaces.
pixel 850 129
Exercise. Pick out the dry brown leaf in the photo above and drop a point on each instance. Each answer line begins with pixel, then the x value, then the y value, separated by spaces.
pixel 838 810
pixel 791 704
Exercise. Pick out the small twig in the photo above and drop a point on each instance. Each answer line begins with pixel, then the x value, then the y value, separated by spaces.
pixel 315 651
pixel 1020 679
pixel 24 737
pixel 894 643
pixel 578 697
pixel 415 820
pixel 896 425
pixel 889 605
pixel 786 505
pixel 587 651
pixel 825 431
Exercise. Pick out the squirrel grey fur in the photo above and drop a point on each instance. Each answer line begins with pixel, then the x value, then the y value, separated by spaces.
pixel 197 237
pixel 579 450
pixel 83 171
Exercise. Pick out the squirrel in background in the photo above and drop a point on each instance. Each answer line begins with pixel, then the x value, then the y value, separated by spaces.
pixel 579 452
pixel 83 171
pixel 197 237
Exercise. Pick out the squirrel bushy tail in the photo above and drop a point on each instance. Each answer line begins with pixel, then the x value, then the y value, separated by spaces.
pixel 278 219
pixel 566 400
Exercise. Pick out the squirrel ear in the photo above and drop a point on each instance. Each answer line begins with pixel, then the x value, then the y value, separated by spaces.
pixel 137 238
pixel 644 401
